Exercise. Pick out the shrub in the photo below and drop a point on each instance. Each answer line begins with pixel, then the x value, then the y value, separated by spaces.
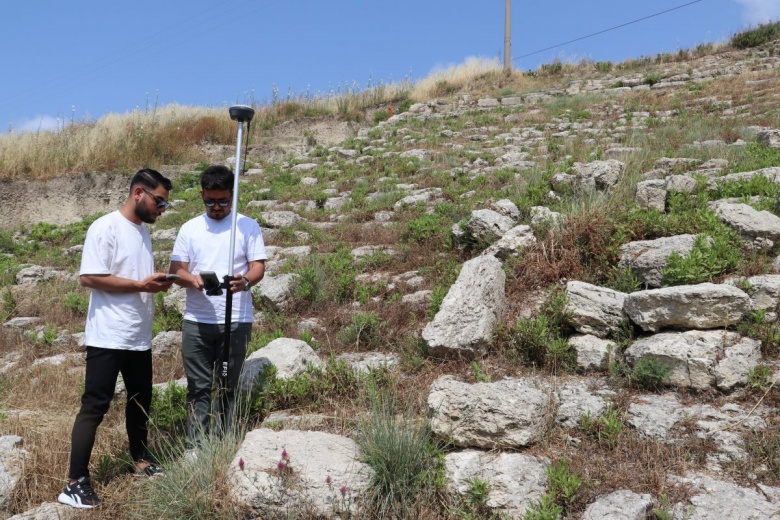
pixel 757 185
pixel 758 327
pixel 652 78
pixel 542 340
pixel 168 413
pixel 650 374
pixel 606 428
pixel 760 377
pixel 366 329
pixel 165 318
pixel 437 298
pixel 313 388
pixel 381 115
pixel 756 36
pixel 431 229
pixel 543 509
pixel 623 279
pixel 706 260
pixel 562 483
pixel 77 303
pixel 326 278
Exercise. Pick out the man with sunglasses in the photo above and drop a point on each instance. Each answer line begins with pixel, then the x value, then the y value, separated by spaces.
pixel 203 245
pixel 118 267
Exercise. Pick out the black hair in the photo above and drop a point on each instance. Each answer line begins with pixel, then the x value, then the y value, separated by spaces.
pixel 217 177
pixel 150 179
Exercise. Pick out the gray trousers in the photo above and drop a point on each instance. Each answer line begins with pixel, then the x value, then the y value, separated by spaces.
pixel 202 354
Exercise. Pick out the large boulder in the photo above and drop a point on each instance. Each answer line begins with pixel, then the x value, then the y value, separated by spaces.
pixel 515 480
pixel 486 225
pixel 291 357
pixel 506 414
pixel 761 228
pixel 512 243
pixel 700 359
pixel 648 258
pixel 764 290
pixel 276 292
pixel 598 175
pixel 651 194
pixel 12 459
pixel 300 471
pixel 576 400
pixel 620 505
pixel 701 306
pixel 592 352
pixel 470 312
pixel 711 498
pixel 592 309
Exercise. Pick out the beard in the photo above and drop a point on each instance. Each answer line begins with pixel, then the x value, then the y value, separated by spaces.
pixel 144 214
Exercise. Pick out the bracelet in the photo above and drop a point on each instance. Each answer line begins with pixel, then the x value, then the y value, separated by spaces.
pixel 247 284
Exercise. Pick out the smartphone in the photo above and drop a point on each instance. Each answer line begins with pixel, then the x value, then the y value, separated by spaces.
pixel 210 282
pixel 171 277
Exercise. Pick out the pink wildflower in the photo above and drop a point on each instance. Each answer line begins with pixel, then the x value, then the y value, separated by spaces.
pixel 285 456
pixel 343 490
pixel 241 464
pixel 280 465
pixel 328 480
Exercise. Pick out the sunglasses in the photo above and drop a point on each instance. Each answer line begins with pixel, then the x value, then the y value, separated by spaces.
pixel 159 201
pixel 212 203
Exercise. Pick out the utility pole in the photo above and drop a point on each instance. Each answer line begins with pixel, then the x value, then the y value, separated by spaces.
pixel 508 36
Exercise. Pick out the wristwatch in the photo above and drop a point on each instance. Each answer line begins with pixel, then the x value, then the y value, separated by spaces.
pixel 247 284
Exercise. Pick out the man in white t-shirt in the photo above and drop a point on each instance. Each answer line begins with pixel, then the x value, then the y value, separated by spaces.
pixel 203 244
pixel 118 267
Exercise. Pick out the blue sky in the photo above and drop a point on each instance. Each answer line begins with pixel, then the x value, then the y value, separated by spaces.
pixel 79 60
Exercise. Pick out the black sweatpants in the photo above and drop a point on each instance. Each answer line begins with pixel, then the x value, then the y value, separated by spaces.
pixel 103 367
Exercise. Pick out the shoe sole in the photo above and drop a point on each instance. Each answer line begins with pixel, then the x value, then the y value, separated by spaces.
pixel 66 499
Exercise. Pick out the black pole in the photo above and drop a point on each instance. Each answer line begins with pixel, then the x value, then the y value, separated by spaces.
pixel 224 389
pixel 242 114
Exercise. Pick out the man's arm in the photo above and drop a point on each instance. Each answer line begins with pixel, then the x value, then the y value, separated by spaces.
pixel 186 279
pixel 110 283
pixel 256 271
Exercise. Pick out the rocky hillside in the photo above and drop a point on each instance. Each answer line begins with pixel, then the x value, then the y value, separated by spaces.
pixel 575 287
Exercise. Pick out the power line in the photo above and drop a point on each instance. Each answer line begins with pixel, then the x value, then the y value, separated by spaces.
pixel 607 30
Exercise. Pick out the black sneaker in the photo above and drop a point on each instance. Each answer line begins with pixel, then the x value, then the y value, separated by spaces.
pixel 79 494
pixel 152 470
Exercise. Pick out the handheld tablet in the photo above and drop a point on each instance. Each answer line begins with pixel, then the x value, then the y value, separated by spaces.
pixel 210 282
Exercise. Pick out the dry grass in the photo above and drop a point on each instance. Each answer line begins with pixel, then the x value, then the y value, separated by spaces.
pixel 577 250
pixel 166 135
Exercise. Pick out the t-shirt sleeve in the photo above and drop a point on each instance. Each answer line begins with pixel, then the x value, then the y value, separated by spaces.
pixel 181 246
pixel 98 250
pixel 255 245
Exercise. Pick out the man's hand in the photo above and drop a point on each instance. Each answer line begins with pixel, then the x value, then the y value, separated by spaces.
pixel 155 283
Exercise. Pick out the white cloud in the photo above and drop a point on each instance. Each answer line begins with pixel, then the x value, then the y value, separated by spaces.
pixel 755 12
pixel 38 124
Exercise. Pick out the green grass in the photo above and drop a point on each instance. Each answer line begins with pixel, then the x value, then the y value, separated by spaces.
pixel 400 448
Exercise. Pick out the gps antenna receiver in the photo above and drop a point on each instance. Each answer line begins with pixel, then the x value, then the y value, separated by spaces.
pixel 241 113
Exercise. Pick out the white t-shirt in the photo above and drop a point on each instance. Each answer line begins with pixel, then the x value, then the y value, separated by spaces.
pixel 118 320
pixel 204 243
